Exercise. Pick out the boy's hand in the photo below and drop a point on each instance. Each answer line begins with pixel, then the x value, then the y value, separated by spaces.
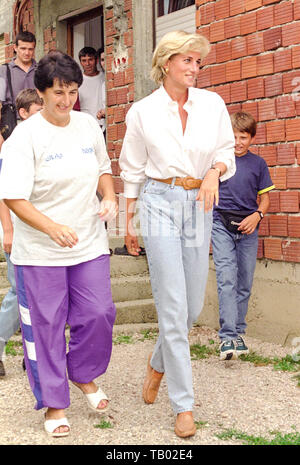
pixel 249 224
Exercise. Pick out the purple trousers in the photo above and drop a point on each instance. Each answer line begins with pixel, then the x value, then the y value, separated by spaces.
pixel 50 297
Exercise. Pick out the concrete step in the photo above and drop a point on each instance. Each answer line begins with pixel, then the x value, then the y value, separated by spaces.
pixel 136 311
pixel 128 288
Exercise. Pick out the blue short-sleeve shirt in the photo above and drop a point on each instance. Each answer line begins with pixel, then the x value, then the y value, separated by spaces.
pixel 240 192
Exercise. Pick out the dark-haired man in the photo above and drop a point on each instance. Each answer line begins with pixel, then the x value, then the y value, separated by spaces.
pixel 22 69
pixel 92 90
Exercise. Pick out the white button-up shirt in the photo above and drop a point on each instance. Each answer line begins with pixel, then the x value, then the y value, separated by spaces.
pixel 155 145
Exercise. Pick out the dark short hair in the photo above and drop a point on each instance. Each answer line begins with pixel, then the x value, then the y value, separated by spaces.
pixel 26 98
pixel 87 51
pixel 56 65
pixel 244 122
pixel 99 51
pixel 25 36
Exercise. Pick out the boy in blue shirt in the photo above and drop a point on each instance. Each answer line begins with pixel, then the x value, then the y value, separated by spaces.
pixel 235 235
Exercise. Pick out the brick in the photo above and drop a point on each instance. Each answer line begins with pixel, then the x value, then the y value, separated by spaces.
pixel 239 48
pixel 112 133
pixel 119 114
pixel 224 92
pixel 291 251
pixel 285 107
pixel 248 23
pixel 204 78
pixel 234 108
pixel 274 206
pixel 222 9
pixel 233 71
pixel 204 30
pixel 119 79
pixel 275 131
pixel 255 43
pixel 283 13
pixel 273 85
pixel 282 60
pixel 268 2
pixel 293 178
pixel 211 58
pixel 248 67
pixel 298 153
pixel 296 9
pixel 111 97
pixel 279 178
pixel 217 31
pixel 263 229
pixel 294 226
pixel 272 38
pixel 269 154
pixel 253 4
pixel 278 225
pixel 122 95
pixel 266 110
pixel 291 82
pixel 232 27
pixel 207 13
pixel 273 248
pixel 238 91
pixel 237 7
pixel 286 154
pixel 223 52
pixel 261 134
pixel 256 88
pixel 291 34
pixel 252 108
pixel 293 129
pixel 218 74
pixel 118 185
pixel 296 57
pixel 260 249
pixel 289 201
pixel 265 18
pixel 265 64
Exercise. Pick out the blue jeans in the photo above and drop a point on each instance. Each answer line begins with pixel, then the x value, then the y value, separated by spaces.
pixel 9 312
pixel 235 260
pixel 177 237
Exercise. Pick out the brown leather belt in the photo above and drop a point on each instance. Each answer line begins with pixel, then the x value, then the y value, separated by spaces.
pixel 187 183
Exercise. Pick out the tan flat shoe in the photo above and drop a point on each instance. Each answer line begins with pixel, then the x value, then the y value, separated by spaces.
pixel 185 426
pixel 151 383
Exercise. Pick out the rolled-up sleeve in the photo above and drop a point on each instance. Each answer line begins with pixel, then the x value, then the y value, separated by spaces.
pixel 133 158
pixel 17 166
pixel 2 83
pixel 225 144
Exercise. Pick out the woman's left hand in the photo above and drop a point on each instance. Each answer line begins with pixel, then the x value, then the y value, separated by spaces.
pixel 209 190
pixel 108 209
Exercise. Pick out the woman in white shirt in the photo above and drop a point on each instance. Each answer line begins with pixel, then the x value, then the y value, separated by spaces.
pixel 53 164
pixel 178 145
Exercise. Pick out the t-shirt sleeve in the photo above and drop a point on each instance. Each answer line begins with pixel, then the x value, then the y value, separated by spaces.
pixel 265 181
pixel 2 83
pixel 100 148
pixel 17 166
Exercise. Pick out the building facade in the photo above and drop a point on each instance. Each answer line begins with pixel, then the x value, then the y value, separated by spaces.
pixel 254 64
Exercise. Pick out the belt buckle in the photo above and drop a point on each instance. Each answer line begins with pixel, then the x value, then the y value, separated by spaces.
pixel 188 182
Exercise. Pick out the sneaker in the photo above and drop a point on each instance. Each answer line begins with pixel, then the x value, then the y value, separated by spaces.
pixel 227 350
pixel 240 346
pixel 2 369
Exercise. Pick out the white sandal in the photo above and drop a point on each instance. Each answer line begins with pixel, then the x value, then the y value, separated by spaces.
pixel 52 424
pixel 94 399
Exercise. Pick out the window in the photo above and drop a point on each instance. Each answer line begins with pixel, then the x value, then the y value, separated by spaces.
pixel 165 7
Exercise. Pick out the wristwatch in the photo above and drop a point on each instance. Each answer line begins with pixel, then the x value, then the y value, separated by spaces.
pixel 260 214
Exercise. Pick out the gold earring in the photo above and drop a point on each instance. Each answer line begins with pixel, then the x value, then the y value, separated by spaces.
pixel 166 70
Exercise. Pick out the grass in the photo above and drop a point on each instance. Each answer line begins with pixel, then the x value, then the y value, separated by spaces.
pixel 199 352
pixel 200 424
pixel 104 425
pixel 123 339
pixel 148 334
pixel 279 439
pixel 14 348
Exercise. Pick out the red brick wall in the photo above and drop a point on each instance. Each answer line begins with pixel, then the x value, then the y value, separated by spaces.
pixel 254 65
pixel 120 85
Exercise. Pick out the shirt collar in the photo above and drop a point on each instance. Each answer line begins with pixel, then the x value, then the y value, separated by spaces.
pixel 14 65
pixel 174 105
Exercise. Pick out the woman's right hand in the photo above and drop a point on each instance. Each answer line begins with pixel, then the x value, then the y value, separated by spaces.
pixel 63 235
pixel 132 244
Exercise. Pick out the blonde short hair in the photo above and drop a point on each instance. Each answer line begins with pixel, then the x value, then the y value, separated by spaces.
pixel 173 43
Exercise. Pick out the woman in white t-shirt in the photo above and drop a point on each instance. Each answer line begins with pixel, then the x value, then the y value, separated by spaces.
pixel 53 165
